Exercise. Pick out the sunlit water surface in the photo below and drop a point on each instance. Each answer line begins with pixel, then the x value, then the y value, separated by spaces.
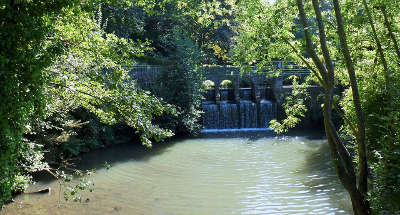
pixel 203 176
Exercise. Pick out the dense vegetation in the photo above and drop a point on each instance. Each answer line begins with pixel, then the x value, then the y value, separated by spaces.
pixel 341 44
pixel 55 59
pixel 65 84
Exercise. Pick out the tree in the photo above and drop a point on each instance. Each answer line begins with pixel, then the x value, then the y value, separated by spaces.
pixel 23 56
pixel 183 35
pixel 54 51
pixel 270 30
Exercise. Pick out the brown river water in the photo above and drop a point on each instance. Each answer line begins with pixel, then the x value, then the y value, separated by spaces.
pixel 202 176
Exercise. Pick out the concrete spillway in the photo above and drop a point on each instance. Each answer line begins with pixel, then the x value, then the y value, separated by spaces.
pixel 243 115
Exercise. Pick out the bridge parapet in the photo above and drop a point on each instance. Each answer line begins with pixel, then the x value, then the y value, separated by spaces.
pixel 146 75
pixel 264 84
pixel 254 85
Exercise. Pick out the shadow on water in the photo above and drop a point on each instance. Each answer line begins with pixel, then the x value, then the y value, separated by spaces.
pixel 113 155
pixel 322 177
pixel 208 170
pixel 137 152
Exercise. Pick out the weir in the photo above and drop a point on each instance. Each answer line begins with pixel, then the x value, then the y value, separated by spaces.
pixel 245 114
pixel 236 100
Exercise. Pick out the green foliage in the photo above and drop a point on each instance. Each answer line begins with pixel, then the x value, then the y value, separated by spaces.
pixel 381 104
pixel 23 56
pixel 226 84
pixel 55 57
pixel 91 74
pixel 209 24
pixel 382 132
pixel 270 30
pixel 180 85
pixel 207 84
pixel 212 27
pixel 293 106
pixel 181 39
pixel 73 189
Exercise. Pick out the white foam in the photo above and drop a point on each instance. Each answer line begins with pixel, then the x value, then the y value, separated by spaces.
pixel 234 130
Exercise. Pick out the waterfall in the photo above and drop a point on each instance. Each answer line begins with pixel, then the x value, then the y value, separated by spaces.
pixel 244 115
pixel 210 116
pixel 228 116
pixel 248 115
pixel 267 113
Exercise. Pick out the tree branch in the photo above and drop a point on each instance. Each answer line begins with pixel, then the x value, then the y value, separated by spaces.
pixel 315 72
pixel 390 32
pixel 342 151
pixel 309 44
pixel 347 120
pixel 322 40
pixel 379 46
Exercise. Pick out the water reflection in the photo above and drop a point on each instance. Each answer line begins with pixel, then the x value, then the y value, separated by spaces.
pixel 320 174
pixel 262 175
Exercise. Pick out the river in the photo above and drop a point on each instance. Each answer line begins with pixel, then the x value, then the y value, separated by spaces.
pixel 203 176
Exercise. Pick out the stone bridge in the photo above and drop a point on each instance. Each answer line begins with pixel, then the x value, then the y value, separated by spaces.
pixel 253 86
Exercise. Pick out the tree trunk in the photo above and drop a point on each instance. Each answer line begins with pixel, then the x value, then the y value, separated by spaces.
pixel 379 47
pixel 360 136
pixel 341 157
pixel 390 32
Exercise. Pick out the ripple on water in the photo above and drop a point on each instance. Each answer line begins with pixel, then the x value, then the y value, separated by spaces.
pixel 289 175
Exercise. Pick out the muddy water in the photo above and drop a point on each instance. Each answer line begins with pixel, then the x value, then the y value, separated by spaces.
pixel 203 176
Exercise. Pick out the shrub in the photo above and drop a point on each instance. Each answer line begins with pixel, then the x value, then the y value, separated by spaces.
pixel 226 84
pixel 208 85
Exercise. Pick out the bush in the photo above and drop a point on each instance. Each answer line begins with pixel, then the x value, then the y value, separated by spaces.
pixel 208 85
pixel 226 84
pixel 181 85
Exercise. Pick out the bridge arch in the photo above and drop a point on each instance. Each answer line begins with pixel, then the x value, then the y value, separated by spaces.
pixel 209 88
